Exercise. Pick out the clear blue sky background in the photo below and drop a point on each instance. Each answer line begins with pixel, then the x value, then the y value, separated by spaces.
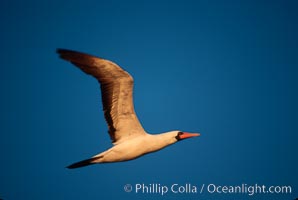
pixel 226 69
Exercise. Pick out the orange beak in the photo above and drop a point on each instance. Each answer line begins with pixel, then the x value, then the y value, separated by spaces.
pixel 189 135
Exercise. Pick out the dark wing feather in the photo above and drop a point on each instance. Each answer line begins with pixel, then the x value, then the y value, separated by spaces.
pixel 116 92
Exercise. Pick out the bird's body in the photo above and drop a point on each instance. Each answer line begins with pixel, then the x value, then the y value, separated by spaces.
pixel 136 147
pixel 129 138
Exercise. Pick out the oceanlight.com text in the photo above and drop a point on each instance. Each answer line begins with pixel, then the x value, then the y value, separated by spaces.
pixel 188 188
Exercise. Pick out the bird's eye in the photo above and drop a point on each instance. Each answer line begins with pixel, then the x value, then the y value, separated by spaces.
pixel 178 135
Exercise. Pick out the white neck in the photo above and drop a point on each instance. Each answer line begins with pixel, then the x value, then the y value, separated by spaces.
pixel 159 141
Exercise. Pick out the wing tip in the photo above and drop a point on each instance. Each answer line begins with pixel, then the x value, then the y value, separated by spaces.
pixel 72 55
pixel 62 50
pixel 65 53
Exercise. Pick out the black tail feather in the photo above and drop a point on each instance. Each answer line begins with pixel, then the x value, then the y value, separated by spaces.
pixel 83 163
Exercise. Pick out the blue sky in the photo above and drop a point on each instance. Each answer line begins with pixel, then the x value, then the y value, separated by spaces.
pixel 226 69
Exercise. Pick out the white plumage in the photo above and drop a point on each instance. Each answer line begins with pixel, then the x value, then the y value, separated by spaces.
pixel 129 138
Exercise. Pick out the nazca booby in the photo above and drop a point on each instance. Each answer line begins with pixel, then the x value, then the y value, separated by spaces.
pixel 129 139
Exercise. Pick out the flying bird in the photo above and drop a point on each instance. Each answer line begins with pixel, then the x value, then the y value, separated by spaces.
pixel 129 139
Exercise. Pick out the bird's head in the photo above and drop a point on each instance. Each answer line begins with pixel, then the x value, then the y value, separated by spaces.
pixel 175 136
pixel 168 138
pixel 184 135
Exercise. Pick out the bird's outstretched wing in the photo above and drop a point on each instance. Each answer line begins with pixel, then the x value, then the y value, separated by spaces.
pixel 116 92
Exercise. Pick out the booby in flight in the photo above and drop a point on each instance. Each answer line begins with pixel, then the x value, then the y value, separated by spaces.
pixel 129 139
